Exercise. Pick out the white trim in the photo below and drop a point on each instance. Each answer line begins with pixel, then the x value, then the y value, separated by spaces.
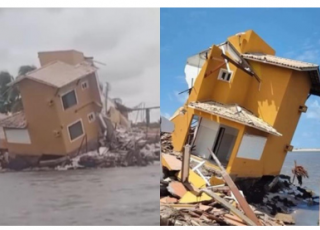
pixel 73 124
pixel 94 117
pixel 61 96
pixel 224 71
pixel 85 82
pixel 17 136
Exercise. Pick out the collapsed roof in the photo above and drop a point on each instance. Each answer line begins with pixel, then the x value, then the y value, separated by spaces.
pixel 312 69
pixel 234 113
pixel 15 121
pixel 199 59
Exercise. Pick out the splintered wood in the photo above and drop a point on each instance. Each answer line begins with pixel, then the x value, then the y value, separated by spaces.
pixel 196 202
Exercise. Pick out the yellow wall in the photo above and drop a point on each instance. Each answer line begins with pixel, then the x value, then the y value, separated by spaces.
pixel 181 129
pixel 275 100
pixel 286 122
pixel 246 167
pixel 80 111
pixel 266 101
pixel 203 86
pixel 250 42
pixel 42 119
pixel 71 57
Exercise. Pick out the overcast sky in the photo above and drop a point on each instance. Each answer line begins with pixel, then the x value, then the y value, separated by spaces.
pixel 126 40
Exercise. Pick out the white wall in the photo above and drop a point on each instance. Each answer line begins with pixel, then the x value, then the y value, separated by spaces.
pixel 205 137
pixel 19 136
pixel 191 73
pixel 251 147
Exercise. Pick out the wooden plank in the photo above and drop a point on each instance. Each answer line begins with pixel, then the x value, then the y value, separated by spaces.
pixel 241 67
pixel 241 200
pixel 185 164
pixel 214 70
pixel 229 206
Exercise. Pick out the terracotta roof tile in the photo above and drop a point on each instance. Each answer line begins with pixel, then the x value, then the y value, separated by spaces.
pixel 231 112
pixel 16 120
pixel 283 62
pixel 59 74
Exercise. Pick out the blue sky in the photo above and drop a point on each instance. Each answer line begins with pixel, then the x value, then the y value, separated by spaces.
pixel 293 33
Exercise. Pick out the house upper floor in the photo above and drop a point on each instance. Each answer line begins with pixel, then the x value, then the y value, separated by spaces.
pixel 245 71
pixel 64 84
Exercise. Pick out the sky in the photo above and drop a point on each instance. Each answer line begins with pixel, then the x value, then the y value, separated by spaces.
pixel 293 33
pixel 126 40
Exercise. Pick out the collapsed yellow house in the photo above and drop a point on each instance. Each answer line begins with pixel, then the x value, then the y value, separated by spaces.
pixel 247 102
pixel 61 101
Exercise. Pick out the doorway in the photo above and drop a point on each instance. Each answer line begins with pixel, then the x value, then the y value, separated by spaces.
pixel 224 143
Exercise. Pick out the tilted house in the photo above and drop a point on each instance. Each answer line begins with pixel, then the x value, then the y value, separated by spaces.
pixel 247 102
pixel 61 100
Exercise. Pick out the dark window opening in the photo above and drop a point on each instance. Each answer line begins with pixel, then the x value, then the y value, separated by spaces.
pixel 69 99
pixel 75 130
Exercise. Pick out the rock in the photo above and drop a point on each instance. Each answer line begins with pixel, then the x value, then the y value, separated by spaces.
pixel 285 218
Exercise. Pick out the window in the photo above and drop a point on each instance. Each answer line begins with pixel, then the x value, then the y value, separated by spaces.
pixel 69 99
pixel 91 117
pixel 224 75
pixel 84 85
pixel 75 130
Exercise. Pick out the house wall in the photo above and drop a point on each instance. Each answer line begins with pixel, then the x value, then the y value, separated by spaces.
pixel 71 57
pixel 250 42
pixel 265 100
pixel 45 118
pixel 42 120
pixel 85 105
pixel 286 122
pixel 275 100
pixel 245 167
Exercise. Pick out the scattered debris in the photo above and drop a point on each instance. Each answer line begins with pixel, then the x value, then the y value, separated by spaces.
pixel 267 201
pixel 127 148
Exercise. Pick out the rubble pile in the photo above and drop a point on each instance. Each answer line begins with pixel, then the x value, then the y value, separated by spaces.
pixel 197 202
pixel 126 149
pixel 278 195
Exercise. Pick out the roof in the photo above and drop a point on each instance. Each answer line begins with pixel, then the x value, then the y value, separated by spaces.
pixel 16 121
pixel 312 69
pixel 231 112
pixel 283 62
pixel 58 74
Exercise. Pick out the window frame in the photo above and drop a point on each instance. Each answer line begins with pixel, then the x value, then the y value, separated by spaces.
pixel 226 72
pixel 87 83
pixel 81 127
pixel 62 95
pixel 94 117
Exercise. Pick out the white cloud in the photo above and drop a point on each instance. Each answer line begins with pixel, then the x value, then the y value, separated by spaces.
pixel 127 40
pixel 314 110
pixel 309 55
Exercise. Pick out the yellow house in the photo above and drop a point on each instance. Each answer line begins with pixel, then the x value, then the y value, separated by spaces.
pixel 247 103
pixel 61 100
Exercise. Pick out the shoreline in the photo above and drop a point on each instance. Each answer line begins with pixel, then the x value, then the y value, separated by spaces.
pixel 305 150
